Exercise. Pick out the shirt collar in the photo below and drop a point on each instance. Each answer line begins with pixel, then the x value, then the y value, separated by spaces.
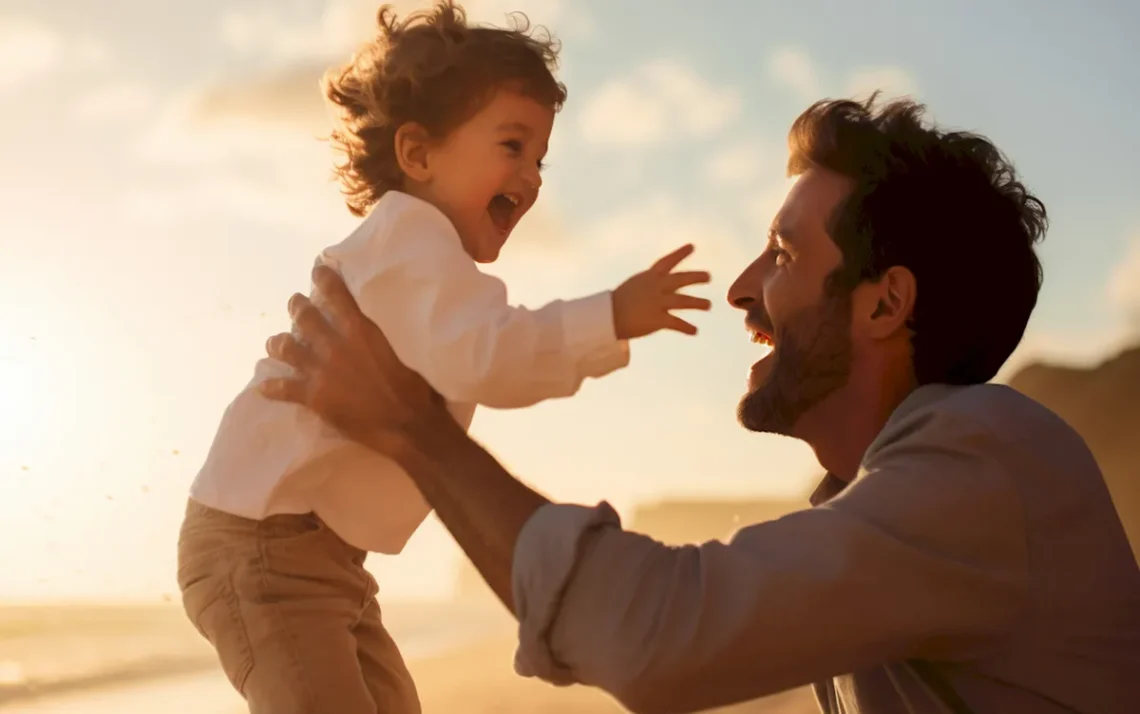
pixel 831 485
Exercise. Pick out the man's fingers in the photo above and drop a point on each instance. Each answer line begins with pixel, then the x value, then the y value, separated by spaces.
pixel 308 322
pixel 678 325
pixel 666 264
pixel 676 281
pixel 680 301
pixel 288 349
pixel 283 389
pixel 335 296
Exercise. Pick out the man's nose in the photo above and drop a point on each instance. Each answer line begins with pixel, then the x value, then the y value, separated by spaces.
pixel 747 288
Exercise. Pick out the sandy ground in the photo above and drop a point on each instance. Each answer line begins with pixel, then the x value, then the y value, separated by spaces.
pixel 126 660
pixel 481 680
pixel 475 680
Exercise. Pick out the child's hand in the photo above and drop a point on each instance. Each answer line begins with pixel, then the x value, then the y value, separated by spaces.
pixel 642 304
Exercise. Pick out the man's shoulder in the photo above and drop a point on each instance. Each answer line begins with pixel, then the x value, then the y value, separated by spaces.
pixel 1000 408
pixel 990 416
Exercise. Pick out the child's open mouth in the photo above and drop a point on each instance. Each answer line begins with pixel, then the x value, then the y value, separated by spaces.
pixel 503 209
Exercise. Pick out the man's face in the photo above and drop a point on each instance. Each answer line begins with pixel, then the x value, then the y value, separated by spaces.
pixel 789 307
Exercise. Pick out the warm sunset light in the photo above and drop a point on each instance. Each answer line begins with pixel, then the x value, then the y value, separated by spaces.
pixel 165 190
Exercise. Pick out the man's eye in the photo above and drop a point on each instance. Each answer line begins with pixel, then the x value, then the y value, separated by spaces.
pixel 540 164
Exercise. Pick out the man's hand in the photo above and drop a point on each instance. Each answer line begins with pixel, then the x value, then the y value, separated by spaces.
pixel 643 304
pixel 352 379
pixel 349 375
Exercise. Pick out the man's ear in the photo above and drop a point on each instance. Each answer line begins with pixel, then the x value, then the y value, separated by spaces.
pixel 412 144
pixel 886 305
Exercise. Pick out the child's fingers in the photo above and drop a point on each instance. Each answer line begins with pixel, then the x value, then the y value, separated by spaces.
pixel 666 264
pixel 676 281
pixel 680 301
pixel 672 322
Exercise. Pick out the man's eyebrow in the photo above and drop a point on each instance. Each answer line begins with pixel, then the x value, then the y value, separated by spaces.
pixel 781 229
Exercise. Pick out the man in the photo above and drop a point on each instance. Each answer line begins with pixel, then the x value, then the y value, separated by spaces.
pixel 962 554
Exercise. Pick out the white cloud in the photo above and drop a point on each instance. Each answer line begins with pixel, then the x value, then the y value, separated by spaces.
pixel 662 99
pixel 294 53
pixel 794 69
pixel 235 166
pixel 619 113
pixel 181 135
pixel 737 163
pixel 645 231
pixel 763 204
pixel 28 50
pixel 114 102
pixel 91 53
pixel 893 81
pixel 296 206
pixel 263 29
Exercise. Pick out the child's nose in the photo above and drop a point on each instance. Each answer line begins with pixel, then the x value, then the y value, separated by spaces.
pixel 533 178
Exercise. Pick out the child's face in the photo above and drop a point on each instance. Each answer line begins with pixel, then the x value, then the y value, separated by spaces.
pixel 485 174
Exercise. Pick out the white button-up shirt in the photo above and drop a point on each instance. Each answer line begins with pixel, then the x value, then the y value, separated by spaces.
pixel 445 319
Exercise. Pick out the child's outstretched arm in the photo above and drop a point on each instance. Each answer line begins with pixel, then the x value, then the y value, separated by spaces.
pixel 453 324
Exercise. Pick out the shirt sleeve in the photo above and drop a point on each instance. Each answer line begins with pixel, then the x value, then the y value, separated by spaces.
pixel 453 323
pixel 923 555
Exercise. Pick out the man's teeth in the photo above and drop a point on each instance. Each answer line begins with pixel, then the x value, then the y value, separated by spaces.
pixel 761 338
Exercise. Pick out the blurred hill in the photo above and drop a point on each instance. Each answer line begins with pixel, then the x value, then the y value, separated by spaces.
pixel 681 521
pixel 1103 404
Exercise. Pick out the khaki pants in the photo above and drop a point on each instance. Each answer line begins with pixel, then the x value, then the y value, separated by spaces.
pixel 292 614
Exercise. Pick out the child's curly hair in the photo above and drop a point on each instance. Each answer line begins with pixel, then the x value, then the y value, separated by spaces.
pixel 434 69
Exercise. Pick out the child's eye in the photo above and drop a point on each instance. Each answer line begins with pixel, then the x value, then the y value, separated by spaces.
pixel 514 145
pixel 541 165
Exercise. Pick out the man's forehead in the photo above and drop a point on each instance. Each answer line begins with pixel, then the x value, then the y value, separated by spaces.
pixel 812 201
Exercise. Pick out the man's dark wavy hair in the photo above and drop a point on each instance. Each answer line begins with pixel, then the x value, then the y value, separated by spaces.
pixel 946 205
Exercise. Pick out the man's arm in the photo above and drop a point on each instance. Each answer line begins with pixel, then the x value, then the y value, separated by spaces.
pixel 923 556
pixel 479 502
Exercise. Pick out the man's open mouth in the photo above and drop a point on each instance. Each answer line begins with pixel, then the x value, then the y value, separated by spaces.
pixel 762 336
pixel 504 210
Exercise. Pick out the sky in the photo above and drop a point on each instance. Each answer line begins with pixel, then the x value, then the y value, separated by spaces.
pixel 164 191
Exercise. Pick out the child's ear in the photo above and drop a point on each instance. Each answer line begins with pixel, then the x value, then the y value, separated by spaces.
pixel 412 143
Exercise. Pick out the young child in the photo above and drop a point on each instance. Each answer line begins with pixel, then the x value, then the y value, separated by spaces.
pixel 444 129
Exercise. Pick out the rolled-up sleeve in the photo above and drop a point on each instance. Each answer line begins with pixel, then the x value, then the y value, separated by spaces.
pixel 545 555
pixel 884 572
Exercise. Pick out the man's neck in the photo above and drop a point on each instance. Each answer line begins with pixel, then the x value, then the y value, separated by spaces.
pixel 841 428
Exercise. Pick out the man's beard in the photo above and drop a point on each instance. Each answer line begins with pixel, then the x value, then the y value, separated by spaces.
pixel 812 360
